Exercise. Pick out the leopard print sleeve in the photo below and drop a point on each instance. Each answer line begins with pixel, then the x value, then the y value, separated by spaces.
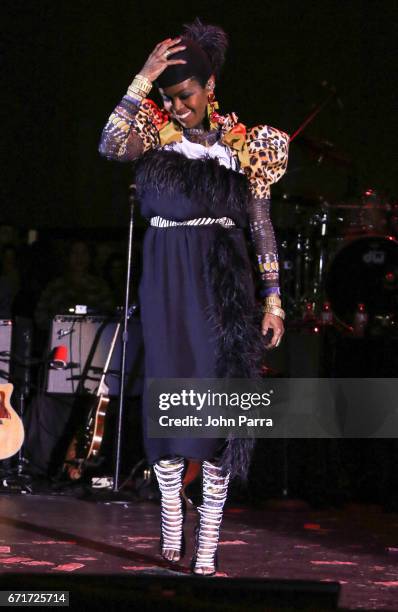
pixel 130 130
pixel 267 150
pixel 267 157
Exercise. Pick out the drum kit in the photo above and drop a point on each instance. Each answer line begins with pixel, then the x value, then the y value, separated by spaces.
pixel 340 256
pixel 338 260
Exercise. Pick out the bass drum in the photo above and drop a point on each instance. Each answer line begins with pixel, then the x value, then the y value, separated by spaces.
pixel 364 270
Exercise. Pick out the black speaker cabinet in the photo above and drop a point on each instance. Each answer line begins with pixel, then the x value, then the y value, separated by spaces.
pixel 5 349
pixel 84 343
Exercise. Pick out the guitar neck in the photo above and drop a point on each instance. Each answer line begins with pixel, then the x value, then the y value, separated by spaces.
pixel 108 361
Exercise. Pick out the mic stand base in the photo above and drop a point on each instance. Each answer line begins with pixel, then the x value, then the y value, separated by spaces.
pixel 15 483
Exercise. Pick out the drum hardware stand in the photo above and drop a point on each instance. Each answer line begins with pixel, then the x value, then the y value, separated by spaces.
pixel 285 502
pixel 287 278
pixel 302 291
pixel 297 271
pixel 308 258
pixel 320 271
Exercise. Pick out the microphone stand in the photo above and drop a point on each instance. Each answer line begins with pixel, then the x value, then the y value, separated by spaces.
pixel 118 438
pixel 115 494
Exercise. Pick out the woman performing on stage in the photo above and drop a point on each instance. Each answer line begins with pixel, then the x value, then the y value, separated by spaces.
pixel 200 178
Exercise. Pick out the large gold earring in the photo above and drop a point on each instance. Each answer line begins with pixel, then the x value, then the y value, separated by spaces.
pixel 212 106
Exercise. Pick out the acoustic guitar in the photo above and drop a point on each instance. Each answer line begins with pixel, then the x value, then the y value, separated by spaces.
pixel 11 428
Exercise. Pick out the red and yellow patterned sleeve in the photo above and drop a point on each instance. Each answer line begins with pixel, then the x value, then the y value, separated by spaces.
pixel 131 130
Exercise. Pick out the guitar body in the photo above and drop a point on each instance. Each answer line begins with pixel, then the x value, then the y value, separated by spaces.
pixel 11 428
pixel 95 427
pixel 81 451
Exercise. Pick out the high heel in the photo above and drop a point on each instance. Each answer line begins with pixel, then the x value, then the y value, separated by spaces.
pixel 207 532
pixel 173 508
pixel 195 558
pixel 182 549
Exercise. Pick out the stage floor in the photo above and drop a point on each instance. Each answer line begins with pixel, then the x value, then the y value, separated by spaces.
pixel 357 546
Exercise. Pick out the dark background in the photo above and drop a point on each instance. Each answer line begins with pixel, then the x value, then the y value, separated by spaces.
pixel 68 63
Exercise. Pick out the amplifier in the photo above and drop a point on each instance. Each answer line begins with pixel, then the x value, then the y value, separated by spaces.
pixel 78 350
pixel 5 349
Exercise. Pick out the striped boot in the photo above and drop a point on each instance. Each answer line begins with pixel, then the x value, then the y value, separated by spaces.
pixel 169 475
pixel 214 491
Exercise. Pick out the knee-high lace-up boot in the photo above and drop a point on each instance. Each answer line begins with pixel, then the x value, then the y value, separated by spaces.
pixel 169 475
pixel 214 490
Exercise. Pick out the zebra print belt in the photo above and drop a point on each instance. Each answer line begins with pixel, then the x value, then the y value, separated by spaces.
pixel 161 222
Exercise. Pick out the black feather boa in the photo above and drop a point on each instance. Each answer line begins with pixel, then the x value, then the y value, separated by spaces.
pixel 204 178
pixel 237 326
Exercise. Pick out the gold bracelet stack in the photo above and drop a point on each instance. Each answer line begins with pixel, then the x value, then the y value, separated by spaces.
pixel 274 310
pixel 139 88
pixel 272 305
pixel 272 300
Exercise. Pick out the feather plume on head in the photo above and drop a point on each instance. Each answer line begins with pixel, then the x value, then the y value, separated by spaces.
pixel 211 38
pixel 206 46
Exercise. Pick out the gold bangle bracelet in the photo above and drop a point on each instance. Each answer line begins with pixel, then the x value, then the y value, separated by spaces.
pixel 140 87
pixel 136 90
pixel 272 307
pixel 274 310
pixel 143 83
pixel 143 78
pixel 272 300
pixel 135 96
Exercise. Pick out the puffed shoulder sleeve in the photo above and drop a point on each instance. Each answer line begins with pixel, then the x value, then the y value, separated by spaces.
pixel 267 156
pixel 130 130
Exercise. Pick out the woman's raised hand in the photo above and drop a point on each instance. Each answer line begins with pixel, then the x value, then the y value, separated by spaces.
pixel 158 59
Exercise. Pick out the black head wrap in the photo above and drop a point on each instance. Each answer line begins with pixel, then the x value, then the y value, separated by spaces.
pixel 198 65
